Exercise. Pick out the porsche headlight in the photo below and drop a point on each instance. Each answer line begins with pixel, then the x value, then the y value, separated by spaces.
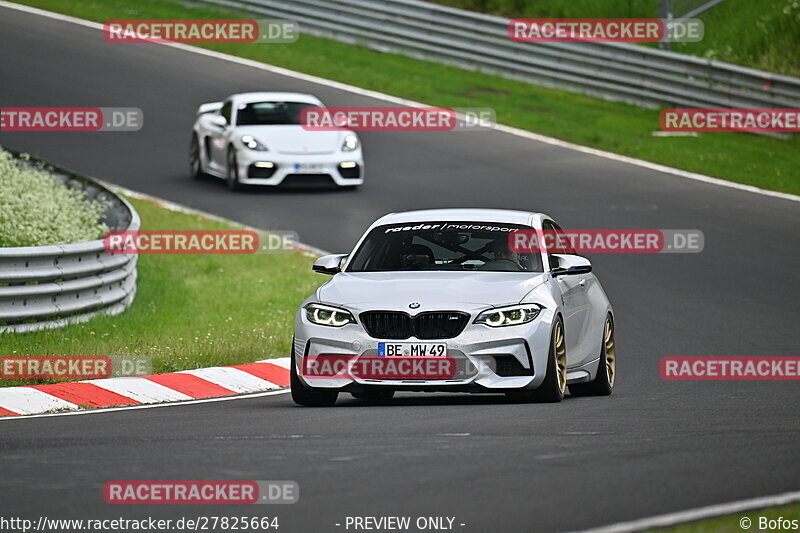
pixel 252 143
pixel 325 315
pixel 350 143
pixel 509 316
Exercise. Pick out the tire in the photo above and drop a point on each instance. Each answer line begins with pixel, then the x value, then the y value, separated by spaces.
pixel 555 380
pixel 195 166
pixel 374 395
pixel 233 171
pixel 302 395
pixel 603 382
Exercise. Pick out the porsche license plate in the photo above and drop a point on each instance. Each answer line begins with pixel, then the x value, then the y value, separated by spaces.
pixel 308 168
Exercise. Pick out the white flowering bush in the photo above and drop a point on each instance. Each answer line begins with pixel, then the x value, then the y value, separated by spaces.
pixel 37 209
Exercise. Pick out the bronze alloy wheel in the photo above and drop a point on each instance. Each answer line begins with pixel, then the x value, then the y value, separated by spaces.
pixel 554 384
pixel 603 381
pixel 560 352
pixel 610 351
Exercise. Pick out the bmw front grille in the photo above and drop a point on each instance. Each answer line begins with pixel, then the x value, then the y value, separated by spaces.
pixel 428 325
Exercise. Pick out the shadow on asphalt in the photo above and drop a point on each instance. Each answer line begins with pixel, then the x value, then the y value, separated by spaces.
pixel 432 399
pixel 293 186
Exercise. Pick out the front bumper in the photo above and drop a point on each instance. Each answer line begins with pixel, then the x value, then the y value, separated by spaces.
pixel 273 168
pixel 487 349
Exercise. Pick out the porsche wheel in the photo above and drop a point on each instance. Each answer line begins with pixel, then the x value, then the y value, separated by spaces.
pixel 195 165
pixel 233 171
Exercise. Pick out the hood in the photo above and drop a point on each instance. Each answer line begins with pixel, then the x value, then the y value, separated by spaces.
pixel 294 139
pixel 432 290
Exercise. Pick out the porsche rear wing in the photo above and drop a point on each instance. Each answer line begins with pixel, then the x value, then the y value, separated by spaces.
pixel 210 107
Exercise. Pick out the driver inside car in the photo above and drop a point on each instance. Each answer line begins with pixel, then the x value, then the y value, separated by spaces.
pixel 504 258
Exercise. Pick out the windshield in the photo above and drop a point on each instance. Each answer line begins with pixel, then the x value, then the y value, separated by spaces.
pixel 442 246
pixel 270 113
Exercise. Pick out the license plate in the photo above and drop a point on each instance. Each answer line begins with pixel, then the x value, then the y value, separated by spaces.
pixel 308 168
pixel 412 349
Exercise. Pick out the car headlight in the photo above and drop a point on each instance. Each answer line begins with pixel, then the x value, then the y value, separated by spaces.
pixel 509 316
pixel 252 143
pixel 350 143
pixel 325 315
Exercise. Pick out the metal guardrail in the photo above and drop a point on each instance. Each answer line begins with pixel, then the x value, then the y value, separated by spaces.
pixel 615 71
pixel 50 286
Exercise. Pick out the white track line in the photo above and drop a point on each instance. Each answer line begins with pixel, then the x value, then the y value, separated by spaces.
pixel 147 406
pixel 701 513
pixel 402 101
pixel 306 249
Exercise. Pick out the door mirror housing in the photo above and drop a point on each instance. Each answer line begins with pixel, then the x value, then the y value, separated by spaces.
pixel 569 264
pixel 330 264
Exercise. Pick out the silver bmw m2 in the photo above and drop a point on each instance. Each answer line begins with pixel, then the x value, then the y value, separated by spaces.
pixel 438 300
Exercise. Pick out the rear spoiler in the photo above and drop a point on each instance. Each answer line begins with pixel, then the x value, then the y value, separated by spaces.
pixel 210 107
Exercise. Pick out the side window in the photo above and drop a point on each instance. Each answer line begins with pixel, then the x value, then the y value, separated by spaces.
pixel 570 250
pixel 548 225
pixel 226 111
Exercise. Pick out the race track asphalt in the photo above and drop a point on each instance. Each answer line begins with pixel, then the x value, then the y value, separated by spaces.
pixel 655 446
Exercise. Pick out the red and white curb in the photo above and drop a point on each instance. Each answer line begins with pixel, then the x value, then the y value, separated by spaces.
pixel 197 384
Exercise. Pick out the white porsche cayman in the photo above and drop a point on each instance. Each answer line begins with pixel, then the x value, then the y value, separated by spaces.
pixel 425 288
pixel 257 139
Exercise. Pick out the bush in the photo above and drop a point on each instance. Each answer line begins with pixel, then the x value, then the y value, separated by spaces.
pixel 37 209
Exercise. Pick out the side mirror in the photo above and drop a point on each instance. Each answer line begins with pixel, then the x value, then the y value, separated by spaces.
pixel 329 264
pixel 570 264
pixel 218 121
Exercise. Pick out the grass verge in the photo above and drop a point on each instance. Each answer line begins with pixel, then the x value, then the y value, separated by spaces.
pixel 190 311
pixel 743 32
pixel 754 160
pixel 736 522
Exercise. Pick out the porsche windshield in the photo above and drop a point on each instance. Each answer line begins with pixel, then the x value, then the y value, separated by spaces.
pixel 270 113
pixel 442 246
